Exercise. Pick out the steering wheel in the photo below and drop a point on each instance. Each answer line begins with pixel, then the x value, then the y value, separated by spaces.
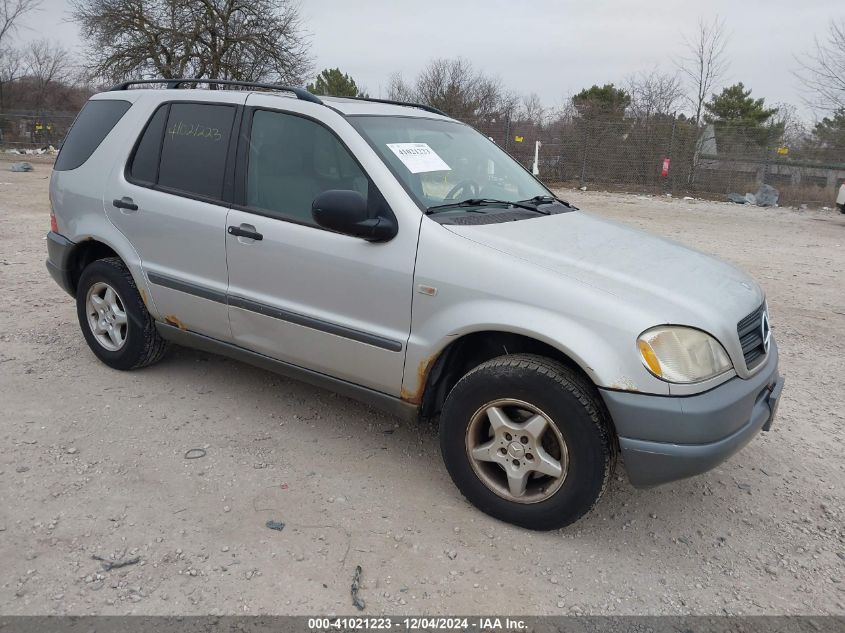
pixel 465 186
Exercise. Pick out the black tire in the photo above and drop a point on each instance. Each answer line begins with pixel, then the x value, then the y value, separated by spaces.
pixel 573 406
pixel 143 345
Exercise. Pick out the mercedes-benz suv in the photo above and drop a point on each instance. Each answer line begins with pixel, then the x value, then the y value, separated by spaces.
pixel 393 254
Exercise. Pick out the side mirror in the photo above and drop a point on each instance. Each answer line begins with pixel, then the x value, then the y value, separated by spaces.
pixel 345 211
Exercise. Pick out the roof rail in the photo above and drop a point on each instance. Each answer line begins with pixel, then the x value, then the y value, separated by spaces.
pixel 299 93
pixel 409 104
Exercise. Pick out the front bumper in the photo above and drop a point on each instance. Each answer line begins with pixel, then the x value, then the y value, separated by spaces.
pixel 665 438
pixel 58 260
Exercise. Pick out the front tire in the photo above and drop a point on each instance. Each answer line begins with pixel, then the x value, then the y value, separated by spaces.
pixel 114 320
pixel 527 440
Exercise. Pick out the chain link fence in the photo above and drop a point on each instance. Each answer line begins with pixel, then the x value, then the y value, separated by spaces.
pixel 28 131
pixel 665 154
pixel 659 154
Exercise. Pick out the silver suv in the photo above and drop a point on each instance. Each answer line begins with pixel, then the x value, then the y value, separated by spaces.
pixel 392 254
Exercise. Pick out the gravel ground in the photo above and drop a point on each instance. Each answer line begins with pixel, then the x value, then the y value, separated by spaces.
pixel 92 464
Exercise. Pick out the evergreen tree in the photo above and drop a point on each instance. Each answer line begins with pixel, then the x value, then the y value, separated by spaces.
pixel 829 138
pixel 332 82
pixel 607 102
pixel 736 106
pixel 741 121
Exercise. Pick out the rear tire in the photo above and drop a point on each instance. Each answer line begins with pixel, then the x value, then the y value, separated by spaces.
pixel 114 320
pixel 527 440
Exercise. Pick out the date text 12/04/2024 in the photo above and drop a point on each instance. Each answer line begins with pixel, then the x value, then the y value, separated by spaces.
pixel 417 623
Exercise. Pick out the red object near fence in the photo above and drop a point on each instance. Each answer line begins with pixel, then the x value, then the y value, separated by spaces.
pixel 665 171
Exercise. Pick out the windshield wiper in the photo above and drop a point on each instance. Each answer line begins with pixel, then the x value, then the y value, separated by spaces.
pixel 478 202
pixel 548 200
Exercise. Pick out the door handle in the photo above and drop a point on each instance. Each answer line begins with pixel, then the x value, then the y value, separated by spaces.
pixel 241 231
pixel 125 203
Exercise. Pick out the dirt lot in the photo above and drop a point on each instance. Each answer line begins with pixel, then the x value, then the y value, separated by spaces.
pixel 92 463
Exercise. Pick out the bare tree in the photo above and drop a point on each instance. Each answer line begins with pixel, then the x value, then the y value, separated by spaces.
pixel 47 63
pixel 11 64
pixel 787 119
pixel 250 40
pixel 510 104
pixel 704 63
pixel 653 93
pixel 46 66
pixel 398 89
pixel 532 110
pixel 10 69
pixel 823 70
pixel 454 86
pixel 11 11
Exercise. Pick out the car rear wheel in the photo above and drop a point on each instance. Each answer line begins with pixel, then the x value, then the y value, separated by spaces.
pixel 114 320
pixel 527 440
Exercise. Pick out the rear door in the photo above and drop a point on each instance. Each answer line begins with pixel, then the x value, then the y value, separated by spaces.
pixel 171 201
pixel 328 302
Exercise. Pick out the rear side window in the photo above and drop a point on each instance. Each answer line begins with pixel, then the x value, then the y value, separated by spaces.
pixel 196 142
pixel 144 167
pixel 184 148
pixel 92 125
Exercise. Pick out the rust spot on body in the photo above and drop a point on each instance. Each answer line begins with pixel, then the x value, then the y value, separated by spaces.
pixel 408 396
pixel 416 396
pixel 143 294
pixel 624 384
pixel 174 321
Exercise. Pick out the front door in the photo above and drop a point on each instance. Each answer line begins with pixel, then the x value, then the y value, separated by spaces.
pixel 169 202
pixel 323 301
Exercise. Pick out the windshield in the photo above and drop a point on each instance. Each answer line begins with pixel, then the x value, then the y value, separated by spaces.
pixel 444 162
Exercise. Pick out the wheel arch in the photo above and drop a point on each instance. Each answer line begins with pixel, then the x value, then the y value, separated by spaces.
pixel 437 374
pixel 85 252
pixel 91 247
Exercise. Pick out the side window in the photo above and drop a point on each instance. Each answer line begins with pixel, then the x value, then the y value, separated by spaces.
pixel 196 143
pixel 92 125
pixel 144 166
pixel 292 160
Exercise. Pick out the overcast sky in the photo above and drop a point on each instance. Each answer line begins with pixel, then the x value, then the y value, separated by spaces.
pixel 553 48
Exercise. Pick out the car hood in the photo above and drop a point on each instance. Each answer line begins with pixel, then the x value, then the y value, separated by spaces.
pixel 667 277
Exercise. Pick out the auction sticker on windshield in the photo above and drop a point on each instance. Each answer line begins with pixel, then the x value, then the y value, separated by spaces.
pixel 418 157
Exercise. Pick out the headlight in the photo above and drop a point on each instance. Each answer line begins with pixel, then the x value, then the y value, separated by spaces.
pixel 682 354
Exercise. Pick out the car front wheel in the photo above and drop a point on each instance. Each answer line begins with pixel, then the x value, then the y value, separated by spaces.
pixel 527 440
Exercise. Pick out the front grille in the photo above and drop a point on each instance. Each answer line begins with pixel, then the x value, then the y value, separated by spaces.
pixel 750 331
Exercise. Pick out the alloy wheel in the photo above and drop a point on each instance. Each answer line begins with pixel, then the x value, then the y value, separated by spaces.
pixel 106 316
pixel 517 451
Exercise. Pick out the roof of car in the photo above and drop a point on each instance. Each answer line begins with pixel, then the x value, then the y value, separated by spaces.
pixel 343 105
